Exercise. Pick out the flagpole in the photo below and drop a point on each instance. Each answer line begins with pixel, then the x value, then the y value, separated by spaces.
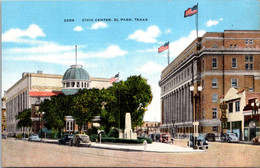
pixel 197 20
pixel 169 53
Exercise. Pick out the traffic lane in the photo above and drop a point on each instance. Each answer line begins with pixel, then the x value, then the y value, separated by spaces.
pixel 218 155
pixel 34 154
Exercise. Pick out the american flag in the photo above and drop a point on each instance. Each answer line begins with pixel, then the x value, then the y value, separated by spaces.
pixel 163 47
pixel 114 78
pixel 191 11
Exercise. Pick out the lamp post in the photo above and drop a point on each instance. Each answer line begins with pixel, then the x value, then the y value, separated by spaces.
pixel 194 99
pixel 255 106
pixel 40 114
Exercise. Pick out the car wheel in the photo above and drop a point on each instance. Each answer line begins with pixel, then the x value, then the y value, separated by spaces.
pixel 228 140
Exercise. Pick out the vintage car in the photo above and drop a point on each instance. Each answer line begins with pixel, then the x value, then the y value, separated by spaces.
pixel 80 140
pixel 34 138
pixel 229 137
pixel 166 138
pixel 210 137
pixel 201 142
pixel 65 140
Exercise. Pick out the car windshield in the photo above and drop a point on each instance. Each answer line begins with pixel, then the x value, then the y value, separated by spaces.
pixel 83 136
pixel 232 134
pixel 70 136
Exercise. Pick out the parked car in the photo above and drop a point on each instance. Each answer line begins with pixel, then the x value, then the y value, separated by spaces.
pixel 202 143
pixel 4 136
pixel 229 137
pixel 80 140
pixel 65 140
pixel 34 138
pixel 166 138
pixel 256 140
pixel 210 137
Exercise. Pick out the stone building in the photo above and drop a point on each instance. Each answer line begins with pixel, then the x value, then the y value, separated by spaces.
pixel 147 128
pixel 211 64
pixel 33 88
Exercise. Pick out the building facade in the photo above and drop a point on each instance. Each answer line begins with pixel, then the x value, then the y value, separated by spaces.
pixel 33 88
pixel 212 64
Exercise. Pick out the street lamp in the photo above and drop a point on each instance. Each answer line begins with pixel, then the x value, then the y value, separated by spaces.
pixel 194 98
pixel 255 106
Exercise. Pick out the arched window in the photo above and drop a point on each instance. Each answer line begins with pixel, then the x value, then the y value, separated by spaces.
pixel 85 84
pixel 72 84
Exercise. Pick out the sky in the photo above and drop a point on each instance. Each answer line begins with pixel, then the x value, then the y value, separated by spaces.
pixel 112 36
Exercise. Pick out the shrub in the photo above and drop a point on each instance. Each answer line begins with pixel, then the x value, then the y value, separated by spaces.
pixel 142 139
pixel 19 136
pixel 113 133
pixel 93 137
pixel 92 130
pixel 120 140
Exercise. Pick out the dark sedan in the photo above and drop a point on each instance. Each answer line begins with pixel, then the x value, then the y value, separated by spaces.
pixel 66 139
pixel 210 137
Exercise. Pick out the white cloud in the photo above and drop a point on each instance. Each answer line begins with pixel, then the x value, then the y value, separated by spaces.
pixel 99 25
pixel 111 51
pixel 176 47
pixel 78 28
pixel 150 67
pixel 148 36
pixel 59 54
pixel 18 35
pixel 212 23
pixel 221 19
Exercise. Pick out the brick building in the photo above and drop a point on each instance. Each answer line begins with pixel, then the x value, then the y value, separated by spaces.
pixel 215 62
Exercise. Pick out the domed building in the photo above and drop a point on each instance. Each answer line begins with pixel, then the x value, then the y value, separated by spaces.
pixel 75 78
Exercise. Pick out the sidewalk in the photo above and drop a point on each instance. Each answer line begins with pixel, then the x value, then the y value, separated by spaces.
pixel 154 147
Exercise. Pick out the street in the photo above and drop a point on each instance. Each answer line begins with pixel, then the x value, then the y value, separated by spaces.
pixel 18 153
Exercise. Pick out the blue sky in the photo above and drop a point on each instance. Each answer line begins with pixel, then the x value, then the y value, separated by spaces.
pixel 35 36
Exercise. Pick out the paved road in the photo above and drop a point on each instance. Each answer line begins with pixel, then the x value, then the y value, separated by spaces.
pixel 32 154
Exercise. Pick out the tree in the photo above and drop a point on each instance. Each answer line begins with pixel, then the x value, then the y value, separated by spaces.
pixel 24 118
pixel 132 95
pixel 55 111
pixel 86 104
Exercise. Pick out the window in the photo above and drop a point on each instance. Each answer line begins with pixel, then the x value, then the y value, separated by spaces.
pixel 203 99
pixel 249 67
pixel 214 63
pixel 203 83
pixel 214 112
pixel 215 128
pixel 235 46
pixel 203 113
pixel 234 83
pixel 230 107
pixel 72 84
pixel 214 97
pixel 246 41
pixel 250 41
pixel 249 58
pixel 78 85
pixel 237 106
pixel 234 62
pixel 202 65
pixel 214 83
pixel 230 46
pixel 215 46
